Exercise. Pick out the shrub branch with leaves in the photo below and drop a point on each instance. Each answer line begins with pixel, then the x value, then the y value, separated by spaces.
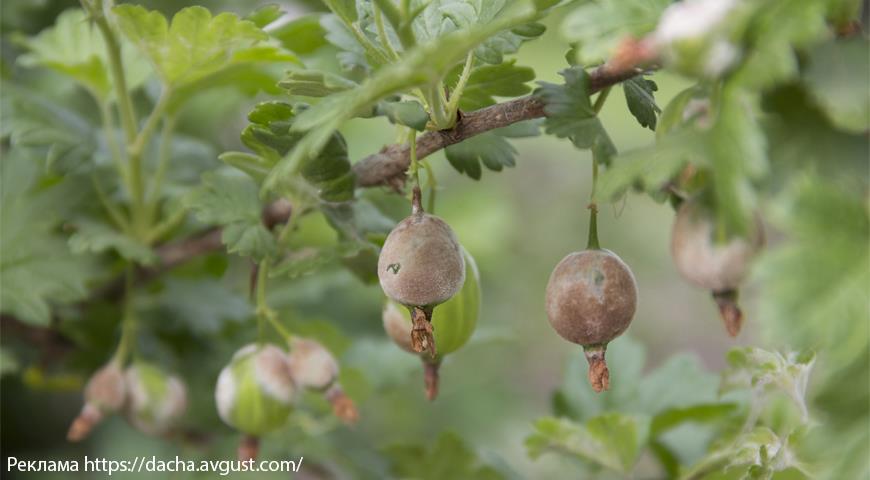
pixel 103 204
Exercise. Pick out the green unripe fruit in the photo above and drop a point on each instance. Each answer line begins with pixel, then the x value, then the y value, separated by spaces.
pixel 591 299
pixel 255 391
pixel 421 266
pixel 452 327
pixel 455 322
pixel 155 400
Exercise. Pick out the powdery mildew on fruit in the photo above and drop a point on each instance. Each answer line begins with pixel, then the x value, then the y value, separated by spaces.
pixel 591 297
pixel 421 262
pixel 703 261
pixel 311 365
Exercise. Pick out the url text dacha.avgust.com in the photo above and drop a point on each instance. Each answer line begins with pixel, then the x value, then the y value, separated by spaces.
pixel 151 465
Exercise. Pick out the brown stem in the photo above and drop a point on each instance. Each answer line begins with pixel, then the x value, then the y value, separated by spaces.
pixel 416 201
pixel 422 337
pixel 249 448
pixel 430 378
pixel 387 167
pixel 599 376
pixel 729 310
pixel 384 167
pixel 342 405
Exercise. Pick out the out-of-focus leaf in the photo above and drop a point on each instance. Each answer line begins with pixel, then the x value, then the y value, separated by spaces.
pixel 231 201
pixel 774 30
pixel 202 305
pixel 641 102
pixel 265 15
pixel 313 83
pixel 408 113
pixel 62 137
pixel 597 27
pixel 74 47
pixel 37 269
pixel 758 453
pixel 815 283
pixel 311 259
pixel 837 78
pixel 302 35
pixel 449 457
pixel 570 114
pixel 612 441
pixel 97 237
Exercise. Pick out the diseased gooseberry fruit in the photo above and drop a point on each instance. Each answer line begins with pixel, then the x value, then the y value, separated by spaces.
pixel 255 393
pixel 420 267
pixel 716 266
pixel 105 393
pixel 452 327
pixel 155 400
pixel 591 299
pixel 312 366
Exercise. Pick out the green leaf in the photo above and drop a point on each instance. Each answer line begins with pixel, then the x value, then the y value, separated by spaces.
pixel 441 17
pixel 97 237
pixel 74 47
pixel 773 31
pixel 408 113
pixel 754 454
pixel 490 149
pixel 814 283
pixel 702 413
pixel 598 27
pixel 612 441
pixel 424 64
pixel 640 100
pixel 570 114
pixel 271 137
pixel 302 35
pixel 488 81
pixel 215 305
pixel 196 46
pixel 649 169
pixel 313 83
pixel 310 259
pixel 265 15
pixel 37 269
pixel 449 457
pixel 836 77
pixel 248 240
pixel 232 202
pixel 62 137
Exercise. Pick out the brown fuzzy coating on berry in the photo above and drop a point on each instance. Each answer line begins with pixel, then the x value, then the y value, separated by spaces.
pixel 591 297
pixel 105 393
pixel 311 364
pixel 421 263
pixel 342 405
pixel 700 259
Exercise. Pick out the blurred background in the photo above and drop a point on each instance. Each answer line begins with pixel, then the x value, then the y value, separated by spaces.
pixel 517 223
